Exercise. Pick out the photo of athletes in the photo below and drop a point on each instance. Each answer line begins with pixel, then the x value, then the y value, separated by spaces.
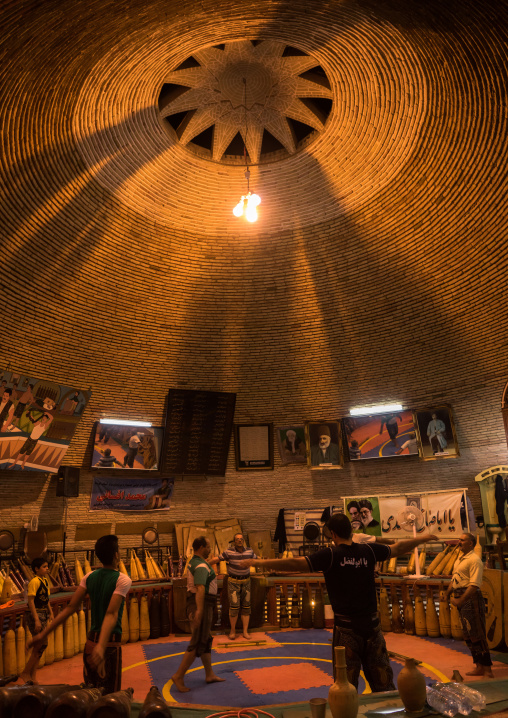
pixel 117 446
pixel 38 418
pixel 381 435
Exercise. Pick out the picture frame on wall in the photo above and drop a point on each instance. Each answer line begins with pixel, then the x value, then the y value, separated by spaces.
pixel 364 514
pixel 436 433
pixel 324 444
pixel 291 444
pixel 253 446
pixel 117 446
pixel 380 436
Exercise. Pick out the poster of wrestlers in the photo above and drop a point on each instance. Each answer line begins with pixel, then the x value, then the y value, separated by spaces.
pixel 363 513
pixel 380 436
pixel 324 445
pixel 38 418
pixel 436 433
pixel 126 494
pixel 117 446
pixel 291 442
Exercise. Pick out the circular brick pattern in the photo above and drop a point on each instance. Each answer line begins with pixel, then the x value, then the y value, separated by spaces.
pixel 379 88
pixel 372 275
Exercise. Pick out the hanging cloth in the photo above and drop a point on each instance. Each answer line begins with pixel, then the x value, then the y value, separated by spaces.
pixel 501 496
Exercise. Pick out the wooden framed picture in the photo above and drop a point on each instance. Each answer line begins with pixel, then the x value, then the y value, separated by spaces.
pixel 253 446
pixel 436 433
pixel 291 443
pixel 379 436
pixel 116 446
pixel 324 444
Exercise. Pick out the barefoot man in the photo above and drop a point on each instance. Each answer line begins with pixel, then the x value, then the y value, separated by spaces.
pixel 467 596
pixel 238 585
pixel 201 598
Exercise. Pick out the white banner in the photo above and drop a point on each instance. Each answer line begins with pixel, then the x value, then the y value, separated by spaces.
pixel 441 511
pixel 389 507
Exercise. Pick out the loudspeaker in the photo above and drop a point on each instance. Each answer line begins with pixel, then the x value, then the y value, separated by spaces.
pixel 68 481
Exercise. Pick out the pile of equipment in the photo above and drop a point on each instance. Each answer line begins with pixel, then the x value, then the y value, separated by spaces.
pixel 66 701
pixel 417 612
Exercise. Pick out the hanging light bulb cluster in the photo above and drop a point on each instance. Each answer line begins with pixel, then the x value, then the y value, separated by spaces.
pixel 249 202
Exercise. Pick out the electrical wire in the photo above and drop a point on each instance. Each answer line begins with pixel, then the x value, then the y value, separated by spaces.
pixel 247 172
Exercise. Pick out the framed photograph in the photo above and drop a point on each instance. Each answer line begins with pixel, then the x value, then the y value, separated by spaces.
pixel 117 446
pixel 324 444
pixel 253 446
pixel 291 443
pixel 436 433
pixel 380 435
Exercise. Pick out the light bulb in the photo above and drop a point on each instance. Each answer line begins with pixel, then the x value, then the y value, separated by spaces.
pixel 250 214
pixel 238 210
pixel 254 200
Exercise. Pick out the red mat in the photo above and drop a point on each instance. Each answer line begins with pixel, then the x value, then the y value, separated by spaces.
pixel 291 677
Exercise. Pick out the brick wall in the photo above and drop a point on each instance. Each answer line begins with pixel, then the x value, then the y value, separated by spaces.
pixel 375 273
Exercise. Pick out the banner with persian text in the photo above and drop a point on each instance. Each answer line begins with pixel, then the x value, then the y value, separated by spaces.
pixel 143 494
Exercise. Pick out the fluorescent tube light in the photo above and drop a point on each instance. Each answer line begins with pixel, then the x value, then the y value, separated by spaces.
pixel 379 409
pixel 125 422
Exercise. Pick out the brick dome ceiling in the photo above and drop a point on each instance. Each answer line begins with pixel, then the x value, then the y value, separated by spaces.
pixel 410 85
pixel 379 87
pixel 374 234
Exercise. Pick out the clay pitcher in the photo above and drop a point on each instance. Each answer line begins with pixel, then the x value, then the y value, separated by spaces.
pixel 342 697
pixel 411 686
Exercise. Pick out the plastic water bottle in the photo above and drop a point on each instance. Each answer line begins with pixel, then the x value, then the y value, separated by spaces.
pixel 441 703
pixel 464 704
pixel 477 699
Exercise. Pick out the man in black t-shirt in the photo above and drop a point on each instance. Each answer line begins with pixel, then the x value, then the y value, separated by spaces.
pixel 348 570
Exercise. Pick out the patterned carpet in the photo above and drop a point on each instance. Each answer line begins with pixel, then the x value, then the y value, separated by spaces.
pixel 292 666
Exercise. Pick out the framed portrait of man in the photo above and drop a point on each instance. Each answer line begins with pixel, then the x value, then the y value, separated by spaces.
pixel 291 443
pixel 324 444
pixel 436 433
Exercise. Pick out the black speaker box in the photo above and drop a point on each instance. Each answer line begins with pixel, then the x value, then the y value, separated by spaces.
pixel 68 481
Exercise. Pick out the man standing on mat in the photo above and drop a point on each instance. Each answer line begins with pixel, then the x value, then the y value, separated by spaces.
pixel 239 584
pixel 201 599
pixel 467 596
pixel 107 588
pixel 348 569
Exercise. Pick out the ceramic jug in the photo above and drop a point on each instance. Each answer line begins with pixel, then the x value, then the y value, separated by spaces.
pixel 342 697
pixel 411 686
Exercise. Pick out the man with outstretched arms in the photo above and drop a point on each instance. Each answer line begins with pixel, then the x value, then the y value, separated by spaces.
pixel 239 585
pixel 348 569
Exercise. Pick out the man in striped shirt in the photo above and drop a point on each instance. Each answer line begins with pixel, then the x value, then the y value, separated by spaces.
pixel 238 584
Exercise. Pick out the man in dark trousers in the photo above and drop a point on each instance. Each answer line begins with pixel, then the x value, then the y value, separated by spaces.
pixel 107 588
pixel 201 599
pixel 348 569
pixel 466 595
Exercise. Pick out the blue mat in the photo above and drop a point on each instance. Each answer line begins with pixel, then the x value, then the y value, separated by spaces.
pixel 298 646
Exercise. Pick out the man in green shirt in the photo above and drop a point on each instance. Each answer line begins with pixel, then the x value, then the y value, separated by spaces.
pixel 107 588
pixel 201 599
